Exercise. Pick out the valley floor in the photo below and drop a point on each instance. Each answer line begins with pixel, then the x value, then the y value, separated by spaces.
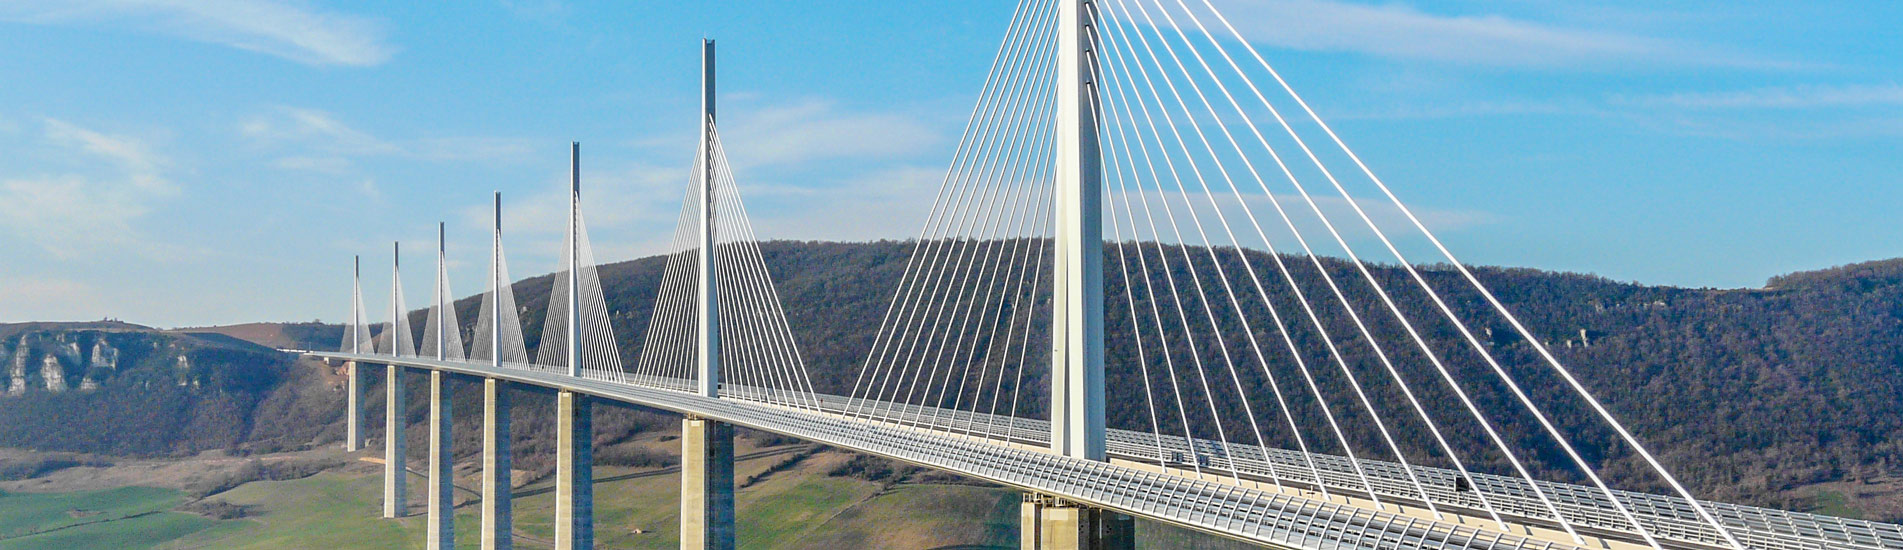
pixel 799 505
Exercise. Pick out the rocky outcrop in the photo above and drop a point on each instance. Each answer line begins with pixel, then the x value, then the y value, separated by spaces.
pixel 16 366
pixel 103 356
pixel 183 370
pixel 52 360
pixel 101 362
pixel 53 373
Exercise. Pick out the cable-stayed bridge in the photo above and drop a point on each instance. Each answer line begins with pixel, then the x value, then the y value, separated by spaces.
pixel 1140 207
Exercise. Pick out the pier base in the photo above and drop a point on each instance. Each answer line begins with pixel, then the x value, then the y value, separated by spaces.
pixel 498 514
pixel 441 532
pixel 354 431
pixel 395 484
pixel 1050 524
pixel 574 473
pixel 707 514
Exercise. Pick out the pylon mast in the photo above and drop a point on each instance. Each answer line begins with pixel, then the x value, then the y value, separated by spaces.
pixel 495 283
pixel 1077 341
pixel 574 258
pixel 708 341
pixel 442 315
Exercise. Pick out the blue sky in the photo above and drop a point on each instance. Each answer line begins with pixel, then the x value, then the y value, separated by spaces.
pixel 186 163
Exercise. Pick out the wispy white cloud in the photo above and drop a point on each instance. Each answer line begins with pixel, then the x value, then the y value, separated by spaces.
pixel 88 210
pixel 888 203
pixel 1802 112
pixel 314 127
pixel 69 216
pixel 1795 97
pixel 819 130
pixel 1707 124
pixel 470 148
pixel 279 28
pixel 140 163
pixel 1400 31
pixel 319 141
pixel 1467 109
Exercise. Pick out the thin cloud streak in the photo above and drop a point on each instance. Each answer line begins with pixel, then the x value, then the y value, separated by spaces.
pixel 275 28
pixel 1795 97
pixel 1401 31
pixel 93 209
pixel 322 143
pixel 818 130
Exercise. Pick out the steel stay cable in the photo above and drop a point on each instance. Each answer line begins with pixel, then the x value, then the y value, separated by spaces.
pixel 1041 212
pixel 1208 247
pixel 1524 332
pixel 989 88
pixel 1020 257
pixel 1129 298
pixel 765 295
pixel 736 304
pixel 1013 172
pixel 980 141
pixel 657 339
pixel 1196 278
pixel 1338 293
pixel 1024 346
pixel 1428 351
pixel 984 152
pixel 672 351
pixel 983 184
pixel 1551 430
pixel 1366 403
pixel 1149 284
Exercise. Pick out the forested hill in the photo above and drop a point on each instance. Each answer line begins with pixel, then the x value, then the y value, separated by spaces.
pixel 118 388
pixel 1744 393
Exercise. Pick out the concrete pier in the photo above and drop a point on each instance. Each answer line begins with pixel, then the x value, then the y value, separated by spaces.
pixel 395 485
pixel 498 514
pixel 574 473
pixel 441 532
pixel 707 514
pixel 1050 524
pixel 355 429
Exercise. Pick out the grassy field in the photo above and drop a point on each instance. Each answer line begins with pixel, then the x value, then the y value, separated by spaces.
pixel 117 519
pixel 798 507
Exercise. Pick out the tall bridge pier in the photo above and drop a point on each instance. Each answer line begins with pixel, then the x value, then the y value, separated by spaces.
pixel 707 514
pixel 358 380
pixel 574 413
pixel 498 512
pixel 395 445
pixel 1077 319
pixel 441 533
pixel 574 472
pixel 498 515
pixel 395 485
pixel 1049 523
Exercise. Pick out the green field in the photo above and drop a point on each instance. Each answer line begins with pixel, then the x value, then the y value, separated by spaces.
pixel 800 507
pixel 126 518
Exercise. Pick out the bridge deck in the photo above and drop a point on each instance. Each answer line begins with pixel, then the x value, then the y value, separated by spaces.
pixel 1585 507
pixel 1220 507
